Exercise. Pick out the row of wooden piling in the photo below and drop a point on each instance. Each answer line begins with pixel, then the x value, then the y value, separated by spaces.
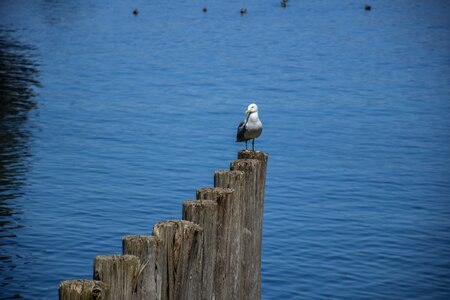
pixel 214 252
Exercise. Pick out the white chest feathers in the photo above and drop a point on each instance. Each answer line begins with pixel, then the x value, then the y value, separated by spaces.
pixel 253 127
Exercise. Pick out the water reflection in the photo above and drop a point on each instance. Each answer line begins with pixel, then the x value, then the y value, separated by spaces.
pixel 18 76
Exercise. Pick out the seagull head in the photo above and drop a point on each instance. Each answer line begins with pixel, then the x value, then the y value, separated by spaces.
pixel 251 108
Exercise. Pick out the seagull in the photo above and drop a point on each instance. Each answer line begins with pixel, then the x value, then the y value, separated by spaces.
pixel 251 127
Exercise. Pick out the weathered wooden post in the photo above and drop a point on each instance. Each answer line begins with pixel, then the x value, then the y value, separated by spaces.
pixel 213 254
pixel 204 213
pixel 225 238
pixel 233 180
pixel 254 166
pixel 119 272
pixel 180 259
pixel 83 290
pixel 148 281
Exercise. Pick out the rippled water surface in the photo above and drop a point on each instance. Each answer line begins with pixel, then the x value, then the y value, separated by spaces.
pixel 109 121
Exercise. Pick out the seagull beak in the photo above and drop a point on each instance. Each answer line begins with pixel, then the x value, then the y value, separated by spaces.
pixel 248 111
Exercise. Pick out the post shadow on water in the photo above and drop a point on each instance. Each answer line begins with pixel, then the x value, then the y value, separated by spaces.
pixel 18 75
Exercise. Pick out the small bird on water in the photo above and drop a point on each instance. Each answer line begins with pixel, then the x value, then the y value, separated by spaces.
pixel 250 128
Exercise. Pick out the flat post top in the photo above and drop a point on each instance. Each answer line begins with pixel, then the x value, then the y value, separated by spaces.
pixel 247 154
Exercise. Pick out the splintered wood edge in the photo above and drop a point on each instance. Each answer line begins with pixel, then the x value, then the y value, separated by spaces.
pixel 236 173
pixel 216 190
pixel 134 238
pixel 76 284
pixel 180 223
pixel 245 154
pixel 200 202
pixel 244 164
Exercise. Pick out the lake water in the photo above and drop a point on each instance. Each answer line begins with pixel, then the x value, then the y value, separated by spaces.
pixel 108 121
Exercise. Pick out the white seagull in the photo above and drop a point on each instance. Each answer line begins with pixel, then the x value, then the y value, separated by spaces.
pixel 251 127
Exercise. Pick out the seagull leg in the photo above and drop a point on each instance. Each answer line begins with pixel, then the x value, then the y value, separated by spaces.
pixel 246 145
pixel 253 145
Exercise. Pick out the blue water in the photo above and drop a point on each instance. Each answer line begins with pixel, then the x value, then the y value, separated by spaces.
pixel 109 121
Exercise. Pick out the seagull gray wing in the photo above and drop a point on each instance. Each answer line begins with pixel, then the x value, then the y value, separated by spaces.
pixel 241 131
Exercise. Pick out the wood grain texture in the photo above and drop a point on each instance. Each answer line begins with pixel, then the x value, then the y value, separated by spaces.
pixel 119 272
pixel 83 290
pixel 148 281
pixel 233 180
pixel 204 213
pixel 226 227
pixel 254 166
pixel 180 259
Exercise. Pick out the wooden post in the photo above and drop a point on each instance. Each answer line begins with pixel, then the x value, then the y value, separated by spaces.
pixel 180 259
pixel 83 290
pixel 119 272
pixel 234 180
pixel 254 165
pixel 146 248
pixel 204 213
pixel 261 176
pixel 225 239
